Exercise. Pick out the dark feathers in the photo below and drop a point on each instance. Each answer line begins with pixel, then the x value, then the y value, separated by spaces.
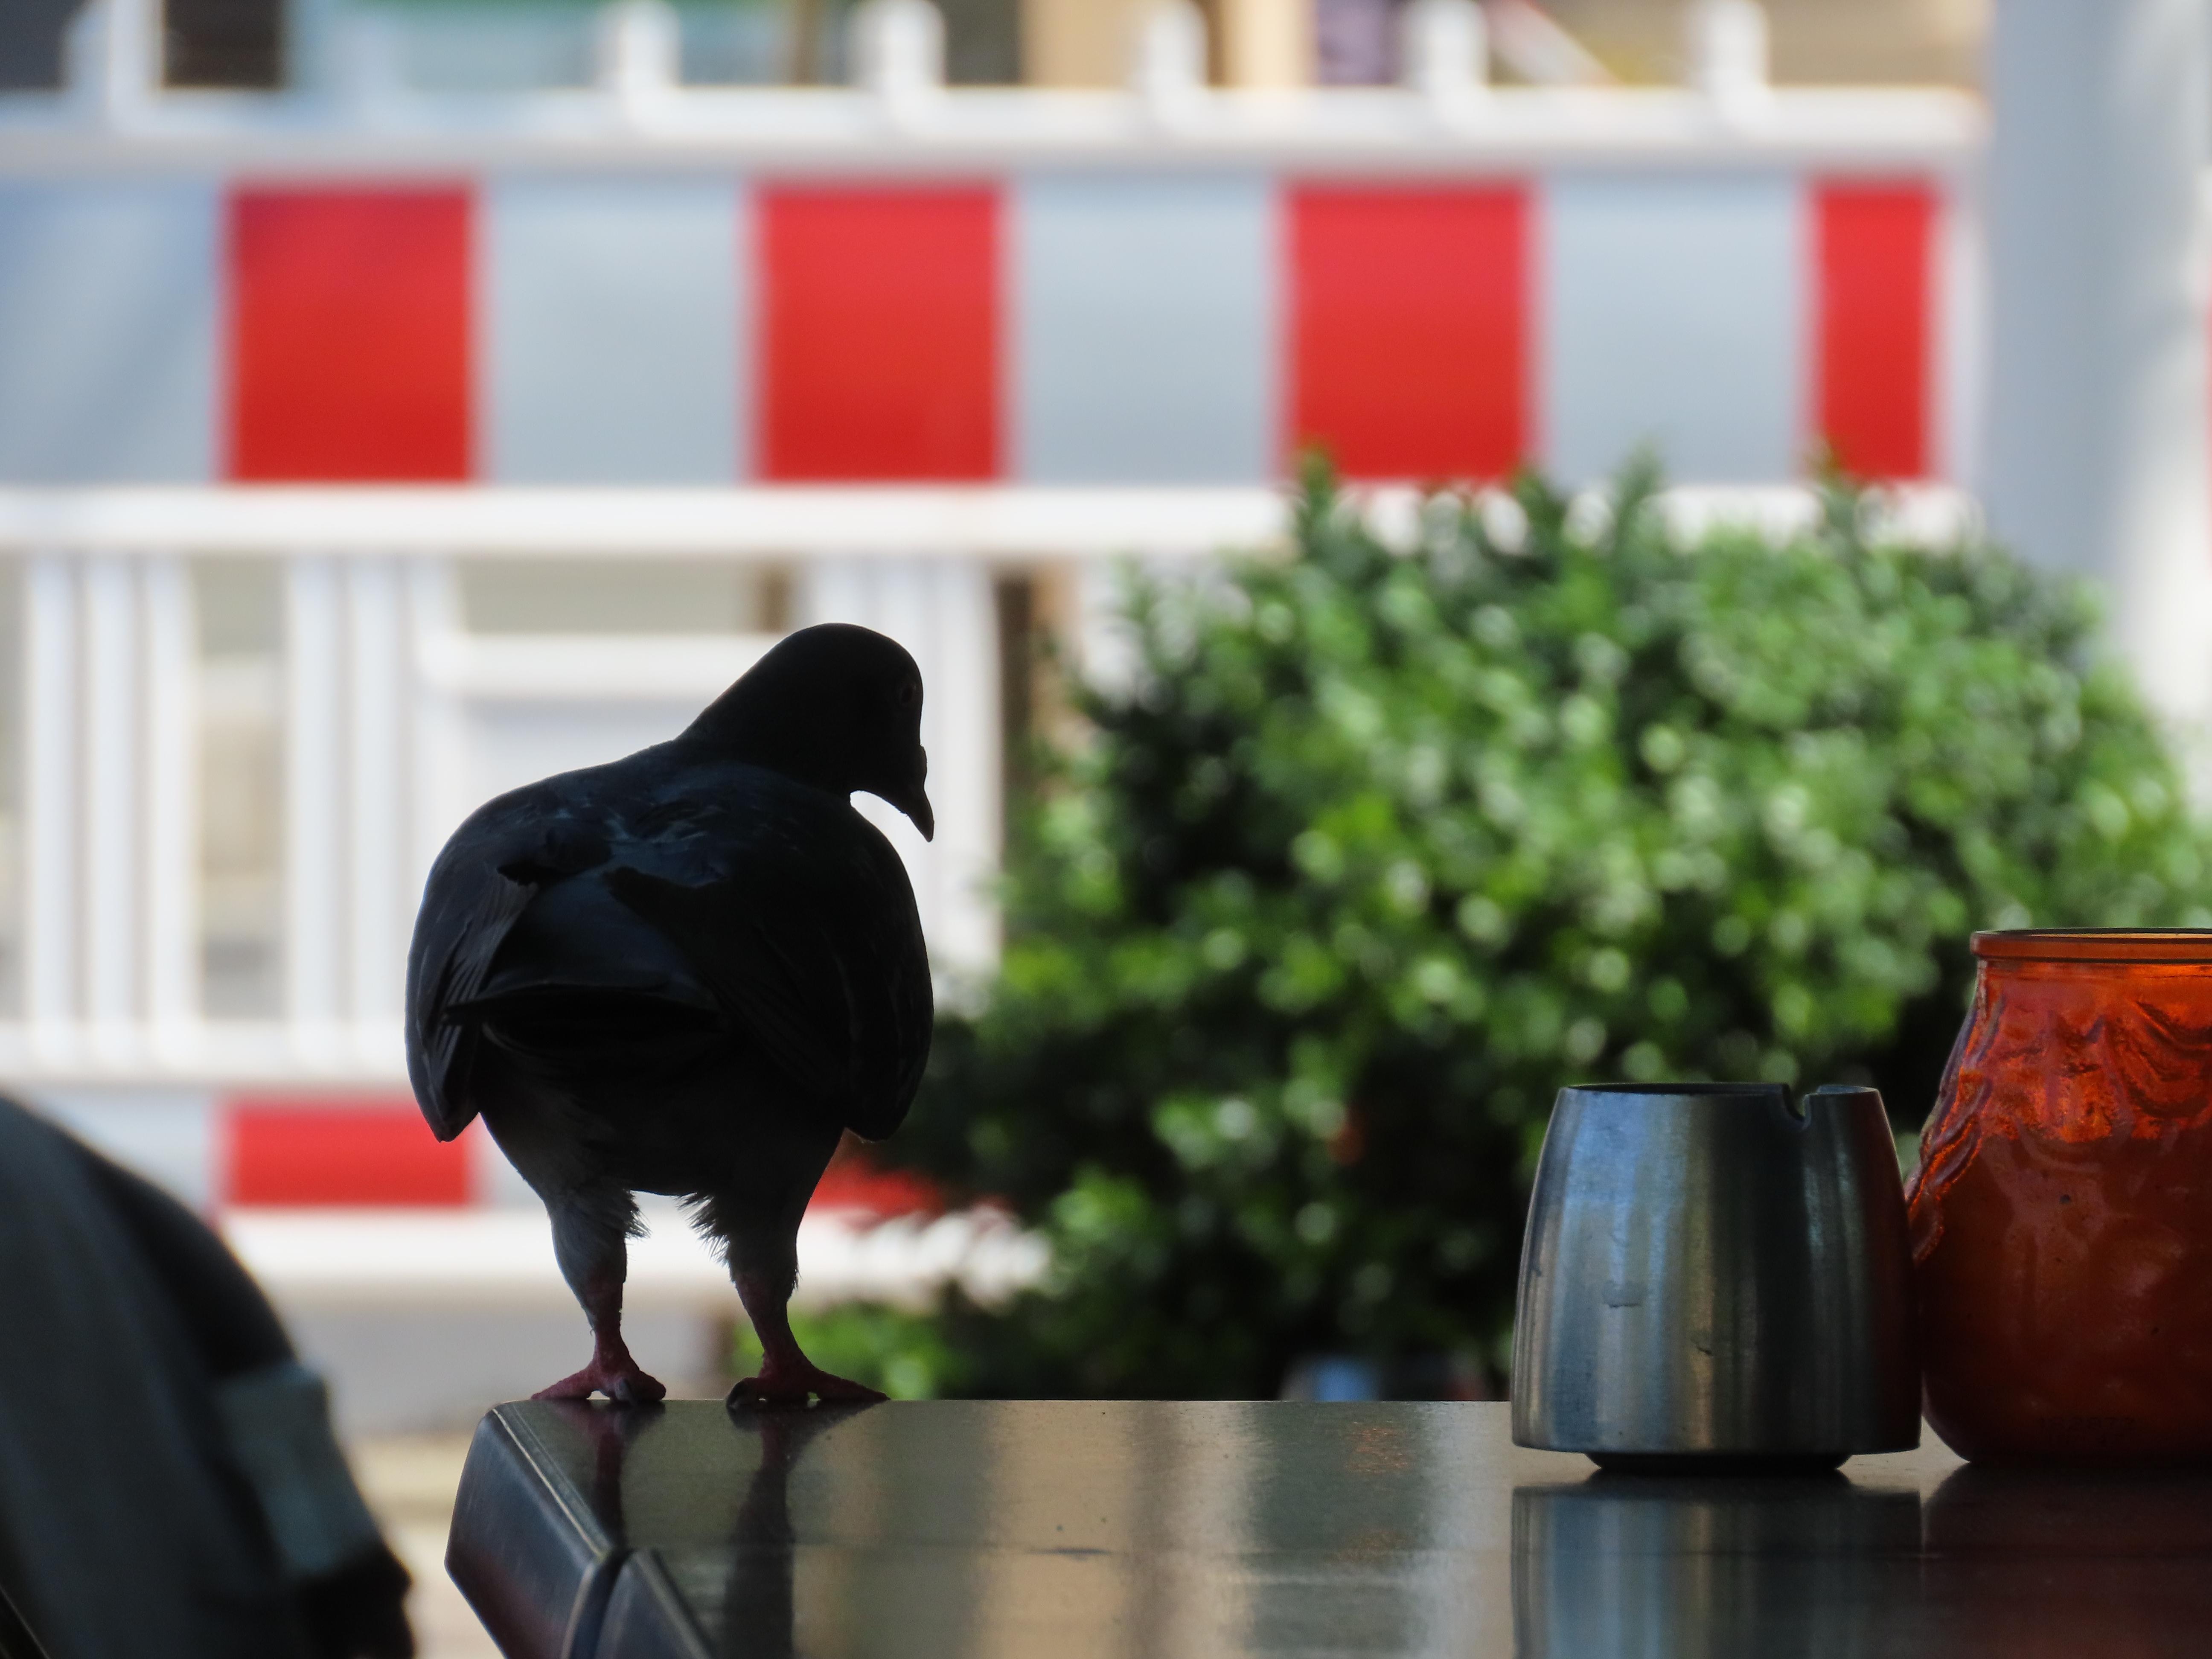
pixel 686 906
pixel 689 972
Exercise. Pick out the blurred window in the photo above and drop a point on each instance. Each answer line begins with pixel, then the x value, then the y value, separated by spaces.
pixel 1355 42
pixel 750 42
pixel 221 43
pixel 982 41
pixel 31 43
pixel 509 46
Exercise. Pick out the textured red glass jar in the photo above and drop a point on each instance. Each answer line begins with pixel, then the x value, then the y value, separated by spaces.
pixel 2062 1213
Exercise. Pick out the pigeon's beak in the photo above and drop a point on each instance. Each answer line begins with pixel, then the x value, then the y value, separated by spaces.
pixel 915 804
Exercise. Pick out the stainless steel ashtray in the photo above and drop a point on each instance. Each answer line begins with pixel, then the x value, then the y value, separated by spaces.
pixel 1714 1278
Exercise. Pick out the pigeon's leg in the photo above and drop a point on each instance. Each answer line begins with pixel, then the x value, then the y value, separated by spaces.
pixel 764 1266
pixel 590 1235
pixel 765 1272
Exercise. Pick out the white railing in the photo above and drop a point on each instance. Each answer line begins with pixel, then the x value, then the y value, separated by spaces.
pixel 384 744
pixel 108 944
pixel 386 737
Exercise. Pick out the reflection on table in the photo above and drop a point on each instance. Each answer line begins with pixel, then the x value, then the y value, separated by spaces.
pixel 1618 1564
pixel 1142 1528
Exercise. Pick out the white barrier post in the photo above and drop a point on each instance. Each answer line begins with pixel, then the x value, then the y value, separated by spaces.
pixel 367 67
pixel 639 46
pixel 898 52
pixel 1167 60
pixel 380 896
pixel 314 806
pixel 50 872
pixel 170 828
pixel 1727 54
pixel 112 658
pixel 1444 48
pixel 112 59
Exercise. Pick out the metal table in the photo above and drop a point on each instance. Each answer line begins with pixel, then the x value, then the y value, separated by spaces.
pixel 1067 1529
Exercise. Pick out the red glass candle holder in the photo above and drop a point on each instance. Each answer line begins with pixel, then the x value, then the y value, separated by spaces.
pixel 2062 1213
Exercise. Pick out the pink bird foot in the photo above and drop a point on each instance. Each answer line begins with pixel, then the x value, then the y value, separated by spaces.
pixel 784 1388
pixel 625 1382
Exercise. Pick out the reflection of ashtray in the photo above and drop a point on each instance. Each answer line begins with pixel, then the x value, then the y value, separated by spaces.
pixel 1769 1564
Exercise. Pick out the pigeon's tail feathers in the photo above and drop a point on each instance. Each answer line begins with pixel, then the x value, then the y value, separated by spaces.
pixel 453 947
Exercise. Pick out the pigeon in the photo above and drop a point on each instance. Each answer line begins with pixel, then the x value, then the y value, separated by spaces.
pixel 689 972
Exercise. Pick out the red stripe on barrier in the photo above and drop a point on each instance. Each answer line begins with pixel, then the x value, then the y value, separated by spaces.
pixel 1872 247
pixel 856 1182
pixel 879 333
pixel 1410 319
pixel 348 335
pixel 371 1152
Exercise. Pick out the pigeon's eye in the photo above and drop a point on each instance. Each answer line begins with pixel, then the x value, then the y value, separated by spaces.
pixel 910 694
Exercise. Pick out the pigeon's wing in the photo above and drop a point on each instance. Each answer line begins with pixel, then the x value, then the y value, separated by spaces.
pixel 809 938
pixel 483 881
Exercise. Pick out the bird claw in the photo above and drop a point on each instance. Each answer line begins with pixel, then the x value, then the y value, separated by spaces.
pixel 628 1387
pixel 792 1390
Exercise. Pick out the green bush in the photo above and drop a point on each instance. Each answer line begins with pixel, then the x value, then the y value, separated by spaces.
pixel 1386 846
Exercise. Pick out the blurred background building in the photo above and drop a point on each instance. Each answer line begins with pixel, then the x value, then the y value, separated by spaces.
pixel 400 400
pixel 488 44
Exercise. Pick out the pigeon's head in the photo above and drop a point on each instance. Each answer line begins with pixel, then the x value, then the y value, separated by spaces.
pixel 836 705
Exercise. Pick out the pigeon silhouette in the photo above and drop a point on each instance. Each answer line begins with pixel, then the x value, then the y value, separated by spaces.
pixel 689 972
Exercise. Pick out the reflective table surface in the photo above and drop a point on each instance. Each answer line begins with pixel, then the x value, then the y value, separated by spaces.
pixel 1067 1529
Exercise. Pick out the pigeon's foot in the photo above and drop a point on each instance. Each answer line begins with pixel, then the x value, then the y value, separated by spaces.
pixel 626 1384
pixel 784 1388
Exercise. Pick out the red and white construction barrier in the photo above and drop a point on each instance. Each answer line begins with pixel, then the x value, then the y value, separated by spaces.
pixel 1198 323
